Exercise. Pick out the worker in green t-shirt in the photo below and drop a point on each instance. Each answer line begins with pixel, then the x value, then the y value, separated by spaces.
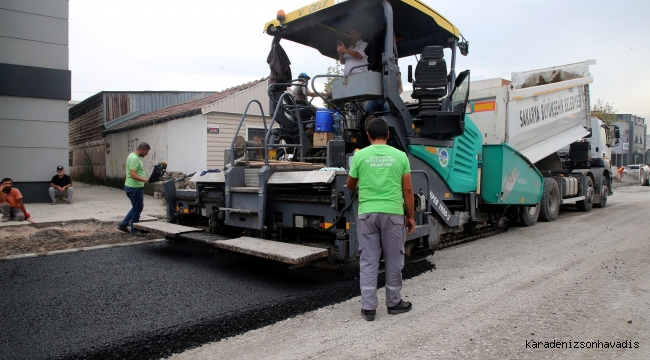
pixel 134 187
pixel 383 176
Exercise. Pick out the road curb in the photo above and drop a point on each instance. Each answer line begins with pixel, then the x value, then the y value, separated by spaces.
pixel 68 251
pixel 38 224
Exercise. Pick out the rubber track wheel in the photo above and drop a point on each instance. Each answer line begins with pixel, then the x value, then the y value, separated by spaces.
pixel 551 199
pixel 604 191
pixel 586 204
pixel 526 218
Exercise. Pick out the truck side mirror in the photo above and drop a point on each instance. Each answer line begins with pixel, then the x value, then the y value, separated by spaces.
pixel 410 73
pixel 470 107
pixel 617 132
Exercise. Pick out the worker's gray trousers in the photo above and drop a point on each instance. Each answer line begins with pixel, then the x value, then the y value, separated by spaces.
pixel 12 213
pixel 54 193
pixel 377 231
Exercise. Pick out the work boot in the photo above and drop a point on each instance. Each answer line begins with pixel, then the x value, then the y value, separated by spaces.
pixel 402 307
pixel 123 228
pixel 5 218
pixel 369 315
pixel 139 233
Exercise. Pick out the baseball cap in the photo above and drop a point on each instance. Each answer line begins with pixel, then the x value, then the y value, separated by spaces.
pixel 59 168
pixel 304 75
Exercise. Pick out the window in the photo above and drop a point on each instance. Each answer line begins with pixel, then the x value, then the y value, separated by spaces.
pixel 70 158
pixel 253 132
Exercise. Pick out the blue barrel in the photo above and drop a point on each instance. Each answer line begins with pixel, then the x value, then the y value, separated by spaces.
pixel 324 120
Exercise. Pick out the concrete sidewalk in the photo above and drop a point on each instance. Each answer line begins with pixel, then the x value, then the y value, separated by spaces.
pixel 91 202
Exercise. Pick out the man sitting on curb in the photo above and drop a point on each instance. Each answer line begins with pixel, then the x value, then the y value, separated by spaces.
pixel 61 184
pixel 11 202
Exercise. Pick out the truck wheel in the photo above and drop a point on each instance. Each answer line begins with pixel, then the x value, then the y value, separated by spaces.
pixel 528 215
pixel 550 204
pixel 604 191
pixel 588 191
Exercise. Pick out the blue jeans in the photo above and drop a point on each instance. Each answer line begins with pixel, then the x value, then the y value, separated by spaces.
pixel 136 195
pixel 377 105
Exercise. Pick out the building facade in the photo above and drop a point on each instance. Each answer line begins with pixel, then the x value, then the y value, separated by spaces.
pixel 632 145
pixel 190 136
pixel 35 83
pixel 105 110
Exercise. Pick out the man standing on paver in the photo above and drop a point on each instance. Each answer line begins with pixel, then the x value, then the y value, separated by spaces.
pixel 134 187
pixel 383 176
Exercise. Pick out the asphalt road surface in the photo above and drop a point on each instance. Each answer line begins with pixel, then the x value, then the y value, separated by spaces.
pixel 581 280
pixel 575 288
pixel 149 301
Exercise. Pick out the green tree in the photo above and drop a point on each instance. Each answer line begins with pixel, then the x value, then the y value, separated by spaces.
pixel 332 70
pixel 604 111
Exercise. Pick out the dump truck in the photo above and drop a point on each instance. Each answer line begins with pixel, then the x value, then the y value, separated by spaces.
pixel 544 114
pixel 284 198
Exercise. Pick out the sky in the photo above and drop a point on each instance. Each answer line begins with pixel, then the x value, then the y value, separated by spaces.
pixel 211 45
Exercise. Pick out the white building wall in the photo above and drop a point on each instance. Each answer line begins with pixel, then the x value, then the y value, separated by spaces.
pixel 227 124
pixel 187 149
pixel 181 143
pixel 34 135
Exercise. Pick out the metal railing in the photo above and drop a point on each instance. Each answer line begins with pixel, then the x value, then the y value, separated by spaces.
pixel 241 121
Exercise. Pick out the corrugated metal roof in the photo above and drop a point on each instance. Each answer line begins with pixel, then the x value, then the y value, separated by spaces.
pixel 117 104
pixel 235 103
pixel 186 109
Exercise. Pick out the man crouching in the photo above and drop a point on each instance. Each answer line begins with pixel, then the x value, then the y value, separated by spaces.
pixel 11 202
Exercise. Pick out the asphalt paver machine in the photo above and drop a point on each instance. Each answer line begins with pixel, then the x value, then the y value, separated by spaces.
pixel 284 197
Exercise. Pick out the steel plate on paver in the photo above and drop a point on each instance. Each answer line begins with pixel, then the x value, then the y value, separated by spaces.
pixel 243 189
pixel 302 177
pixel 165 228
pixel 209 177
pixel 273 250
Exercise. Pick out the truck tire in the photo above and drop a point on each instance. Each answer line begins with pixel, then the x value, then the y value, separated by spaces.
pixel 551 199
pixel 528 215
pixel 604 191
pixel 588 191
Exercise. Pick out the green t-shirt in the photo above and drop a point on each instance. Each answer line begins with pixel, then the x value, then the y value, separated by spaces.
pixel 134 161
pixel 379 170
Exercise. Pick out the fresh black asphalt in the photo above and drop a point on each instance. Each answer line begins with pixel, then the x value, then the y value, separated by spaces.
pixel 150 300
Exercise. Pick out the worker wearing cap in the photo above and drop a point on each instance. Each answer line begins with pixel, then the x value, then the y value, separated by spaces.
pixel 61 184
pixel 301 92
pixel 134 187
pixel 383 176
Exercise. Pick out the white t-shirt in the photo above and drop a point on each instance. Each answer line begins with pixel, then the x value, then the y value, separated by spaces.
pixel 300 92
pixel 351 61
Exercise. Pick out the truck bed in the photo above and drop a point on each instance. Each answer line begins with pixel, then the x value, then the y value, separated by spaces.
pixel 538 112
